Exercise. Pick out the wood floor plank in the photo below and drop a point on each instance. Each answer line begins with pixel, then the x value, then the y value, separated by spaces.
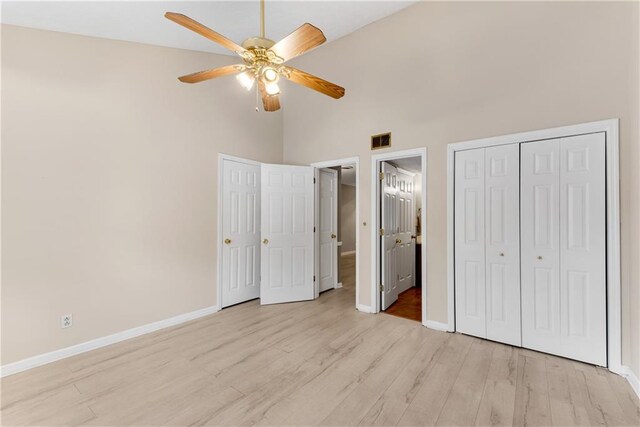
pixel 532 393
pixel 498 397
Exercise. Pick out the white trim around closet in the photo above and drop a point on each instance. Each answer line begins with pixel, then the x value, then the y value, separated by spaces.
pixel 610 128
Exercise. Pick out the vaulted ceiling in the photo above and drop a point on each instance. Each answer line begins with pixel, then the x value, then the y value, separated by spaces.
pixel 143 22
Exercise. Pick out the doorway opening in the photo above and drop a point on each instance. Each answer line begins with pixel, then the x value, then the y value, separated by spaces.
pixel 337 229
pixel 399 235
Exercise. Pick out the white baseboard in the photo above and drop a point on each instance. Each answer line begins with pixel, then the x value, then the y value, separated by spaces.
pixel 438 326
pixel 338 285
pixel 63 353
pixel 632 378
pixel 347 253
pixel 364 308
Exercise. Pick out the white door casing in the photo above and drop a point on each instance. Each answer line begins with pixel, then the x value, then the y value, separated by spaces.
pixel 389 235
pixel 240 232
pixel 470 242
pixel 405 249
pixel 287 220
pixel 563 247
pixel 327 229
pixel 502 243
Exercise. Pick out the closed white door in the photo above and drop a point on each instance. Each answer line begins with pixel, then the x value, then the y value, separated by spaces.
pixel 389 235
pixel 405 248
pixel 287 220
pixel 469 223
pixel 240 232
pixel 328 227
pixel 502 243
pixel 563 247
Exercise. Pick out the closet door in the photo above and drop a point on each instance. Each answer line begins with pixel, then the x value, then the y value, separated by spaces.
pixel 470 243
pixel 563 247
pixel 502 243
pixel 583 290
pixel 539 220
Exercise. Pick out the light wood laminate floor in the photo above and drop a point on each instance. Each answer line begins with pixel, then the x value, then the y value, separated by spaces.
pixel 315 363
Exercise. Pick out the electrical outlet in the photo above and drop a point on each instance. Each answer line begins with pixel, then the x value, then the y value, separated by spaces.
pixel 66 321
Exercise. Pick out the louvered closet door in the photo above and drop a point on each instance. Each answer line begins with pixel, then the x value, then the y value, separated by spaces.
pixel 563 247
pixel 470 243
pixel 502 243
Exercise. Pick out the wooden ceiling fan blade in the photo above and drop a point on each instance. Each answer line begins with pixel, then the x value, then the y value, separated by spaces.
pixel 269 102
pixel 303 39
pixel 201 76
pixel 204 31
pixel 313 82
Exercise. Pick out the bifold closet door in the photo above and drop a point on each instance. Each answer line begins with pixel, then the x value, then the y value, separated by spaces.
pixel 469 233
pixel 563 247
pixel 487 243
pixel 502 243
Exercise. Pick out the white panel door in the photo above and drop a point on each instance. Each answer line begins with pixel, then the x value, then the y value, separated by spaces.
pixel 563 247
pixel 287 219
pixel 540 245
pixel 405 248
pixel 502 243
pixel 583 290
pixel 240 232
pixel 389 236
pixel 469 224
pixel 328 226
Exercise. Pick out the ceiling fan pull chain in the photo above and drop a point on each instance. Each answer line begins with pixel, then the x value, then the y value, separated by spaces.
pixel 257 99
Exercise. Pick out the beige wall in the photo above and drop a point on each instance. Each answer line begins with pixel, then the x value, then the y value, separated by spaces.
pixel 109 184
pixel 437 73
pixel 348 218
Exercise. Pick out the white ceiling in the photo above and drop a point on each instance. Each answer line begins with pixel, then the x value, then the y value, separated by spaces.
pixel 144 21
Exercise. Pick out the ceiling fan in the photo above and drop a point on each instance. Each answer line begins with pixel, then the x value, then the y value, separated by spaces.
pixel 263 60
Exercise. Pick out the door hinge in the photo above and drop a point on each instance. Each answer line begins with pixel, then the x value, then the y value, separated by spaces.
pixel 314 278
pixel 314 229
pixel 314 179
pixel 381 176
pixel 381 287
pixel 382 231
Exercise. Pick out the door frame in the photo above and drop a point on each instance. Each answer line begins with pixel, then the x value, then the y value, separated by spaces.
pixel 330 164
pixel 221 158
pixel 376 160
pixel 610 128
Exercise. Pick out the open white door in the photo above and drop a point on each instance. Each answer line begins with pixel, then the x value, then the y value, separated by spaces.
pixel 405 248
pixel 287 220
pixel 240 232
pixel 389 235
pixel 328 229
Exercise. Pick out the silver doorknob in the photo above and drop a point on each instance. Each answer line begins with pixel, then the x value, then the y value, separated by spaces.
pixel 333 236
pixel 501 253
pixel 227 241
pixel 265 241
pixel 539 257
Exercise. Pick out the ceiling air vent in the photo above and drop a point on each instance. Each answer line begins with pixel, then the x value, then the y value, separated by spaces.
pixel 381 141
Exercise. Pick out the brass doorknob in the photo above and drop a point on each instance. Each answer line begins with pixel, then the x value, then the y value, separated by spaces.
pixel 501 253
pixel 227 241
pixel 333 236
pixel 398 241
pixel 265 241
pixel 539 257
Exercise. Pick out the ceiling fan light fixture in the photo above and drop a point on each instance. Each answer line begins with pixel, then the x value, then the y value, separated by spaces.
pixel 270 75
pixel 246 80
pixel 272 88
